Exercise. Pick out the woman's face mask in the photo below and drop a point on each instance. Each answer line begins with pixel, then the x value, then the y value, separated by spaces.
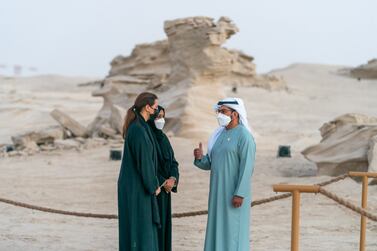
pixel 159 123
pixel 223 119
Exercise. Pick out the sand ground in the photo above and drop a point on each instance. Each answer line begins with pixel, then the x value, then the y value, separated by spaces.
pixel 86 181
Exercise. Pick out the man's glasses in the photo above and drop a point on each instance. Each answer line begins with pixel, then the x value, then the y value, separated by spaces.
pixel 223 111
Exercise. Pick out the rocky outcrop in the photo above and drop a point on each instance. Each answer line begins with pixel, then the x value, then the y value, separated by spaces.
pixel 196 53
pixel 191 56
pixel 146 62
pixel 30 141
pixel 365 71
pixel 345 144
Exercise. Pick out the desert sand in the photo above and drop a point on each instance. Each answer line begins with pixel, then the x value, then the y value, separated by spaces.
pixel 85 180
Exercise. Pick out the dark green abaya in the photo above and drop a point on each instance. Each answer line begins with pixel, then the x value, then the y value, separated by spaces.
pixel 167 167
pixel 137 183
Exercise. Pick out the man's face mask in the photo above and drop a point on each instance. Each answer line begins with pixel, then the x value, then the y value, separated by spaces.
pixel 159 123
pixel 223 119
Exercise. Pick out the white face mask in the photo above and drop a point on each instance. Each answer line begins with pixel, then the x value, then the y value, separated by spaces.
pixel 223 120
pixel 159 123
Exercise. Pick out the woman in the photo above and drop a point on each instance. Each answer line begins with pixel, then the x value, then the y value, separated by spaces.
pixel 168 175
pixel 138 184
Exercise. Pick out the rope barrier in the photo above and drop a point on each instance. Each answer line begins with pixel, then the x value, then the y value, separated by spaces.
pixel 254 203
pixel 270 199
pixel 202 212
pixel 348 204
pixel 57 211
pixel 336 179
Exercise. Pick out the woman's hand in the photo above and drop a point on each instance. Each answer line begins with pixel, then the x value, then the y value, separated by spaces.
pixel 169 184
pixel 158 191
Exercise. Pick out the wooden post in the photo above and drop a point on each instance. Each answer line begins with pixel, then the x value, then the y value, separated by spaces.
pixel 364 200
pixel 296 190
pixel 295 233
pixel 363 223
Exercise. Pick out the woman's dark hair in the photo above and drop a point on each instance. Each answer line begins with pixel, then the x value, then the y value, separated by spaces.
pixel 159 109
pixel 145 98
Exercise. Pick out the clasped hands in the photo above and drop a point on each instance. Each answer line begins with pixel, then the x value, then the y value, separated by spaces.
pixel 167 185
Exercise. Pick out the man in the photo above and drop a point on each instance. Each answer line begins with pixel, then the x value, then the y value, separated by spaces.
pixel 230 158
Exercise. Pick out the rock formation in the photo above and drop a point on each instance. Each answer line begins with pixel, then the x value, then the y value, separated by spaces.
pixel 192 57
pixel 188 72
pixel 348 144
pixel 365 71
pixel 31 140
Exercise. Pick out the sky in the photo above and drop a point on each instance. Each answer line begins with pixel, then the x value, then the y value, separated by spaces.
pixel 81 37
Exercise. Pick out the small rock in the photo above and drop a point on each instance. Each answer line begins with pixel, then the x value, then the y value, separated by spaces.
pixel 107 131
pixel 66 144
pixel 14 154
pixel 47 147
pixel 44 136
pixel 31 147
pixel 80 140
pixel 94 142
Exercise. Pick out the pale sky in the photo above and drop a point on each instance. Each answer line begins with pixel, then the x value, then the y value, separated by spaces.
pixel 81 37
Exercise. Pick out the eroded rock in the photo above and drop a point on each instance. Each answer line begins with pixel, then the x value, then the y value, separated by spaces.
pixel 69 123
pixel 344 146
pixel 31 140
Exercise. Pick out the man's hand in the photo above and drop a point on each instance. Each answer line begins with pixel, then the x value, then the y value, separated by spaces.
pixel 169 184
pixel 158 191
pixel 237 201
pixel 198 152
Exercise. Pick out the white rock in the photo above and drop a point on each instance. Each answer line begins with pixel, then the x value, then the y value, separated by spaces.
pixel 66 144
pixel 43 136
pixel 372 155
pixel 69 123
pixel 192 56
pixel 344 146
pixel 117 118
pixel 94 142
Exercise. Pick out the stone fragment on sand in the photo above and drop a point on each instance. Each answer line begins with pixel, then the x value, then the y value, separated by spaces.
pixel 94 142
pixel 69 123
pixel 107 131
pixel 48 147
pixel 32 139
pixel 67 144
pixel 81 140
pixel 15 153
